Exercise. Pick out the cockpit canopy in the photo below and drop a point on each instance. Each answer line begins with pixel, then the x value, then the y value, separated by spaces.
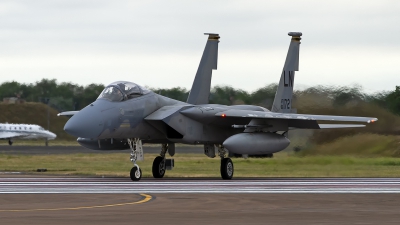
pixel 122 90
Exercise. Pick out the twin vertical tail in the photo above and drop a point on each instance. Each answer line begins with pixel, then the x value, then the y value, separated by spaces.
pixel 200 91
pixel 284 93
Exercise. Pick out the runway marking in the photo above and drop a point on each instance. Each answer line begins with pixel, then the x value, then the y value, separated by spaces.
pixel 117 185
pixel 144 200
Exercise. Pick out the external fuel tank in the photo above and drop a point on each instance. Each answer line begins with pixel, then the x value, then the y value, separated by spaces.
pixel 256 143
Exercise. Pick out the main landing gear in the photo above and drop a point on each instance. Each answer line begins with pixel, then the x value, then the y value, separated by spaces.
pixel 226 164
pixel 226 168
pixel 160 163
pixel 10 142
pixel 136 155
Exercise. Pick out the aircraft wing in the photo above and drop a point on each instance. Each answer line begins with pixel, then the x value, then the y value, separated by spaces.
pixel 294 121
pixel 292 116
pixel 6 135
pixel 67 113
pixel 329 126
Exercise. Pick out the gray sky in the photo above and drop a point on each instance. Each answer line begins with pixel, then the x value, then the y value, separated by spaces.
pixel 159 43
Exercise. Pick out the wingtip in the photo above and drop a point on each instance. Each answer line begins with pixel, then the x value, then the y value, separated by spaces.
pixel 372 120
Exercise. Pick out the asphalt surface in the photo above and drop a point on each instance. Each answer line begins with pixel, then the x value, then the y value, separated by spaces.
pixel 28 199
pixel 43 150
pixel 66 185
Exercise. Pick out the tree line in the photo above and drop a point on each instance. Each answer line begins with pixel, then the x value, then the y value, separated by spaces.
pixel 324 100
pixel 69 96
pixel 62 96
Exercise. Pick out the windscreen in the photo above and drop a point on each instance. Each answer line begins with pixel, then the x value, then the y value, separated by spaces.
pixel 112 93
pixel 122 90
pixel 131 90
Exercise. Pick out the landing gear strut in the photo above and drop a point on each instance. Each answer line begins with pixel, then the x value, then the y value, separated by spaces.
pixel 159 163
pixel 226 164
pixel 136 155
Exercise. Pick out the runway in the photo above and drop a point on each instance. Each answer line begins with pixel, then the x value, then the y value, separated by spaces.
pixel 26 199
pixel 64 185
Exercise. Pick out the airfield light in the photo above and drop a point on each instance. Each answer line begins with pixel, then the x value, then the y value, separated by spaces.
pixel 223 115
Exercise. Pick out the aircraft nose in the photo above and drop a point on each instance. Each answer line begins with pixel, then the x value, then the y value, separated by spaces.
pixel 87 123
pixel 52 136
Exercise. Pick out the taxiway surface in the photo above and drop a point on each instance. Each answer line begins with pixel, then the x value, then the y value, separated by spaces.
pixel 26 199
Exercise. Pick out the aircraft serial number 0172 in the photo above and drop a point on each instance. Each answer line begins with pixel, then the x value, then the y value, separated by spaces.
pixel 125 115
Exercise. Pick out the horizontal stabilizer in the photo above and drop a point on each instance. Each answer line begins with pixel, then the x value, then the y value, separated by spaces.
pixel 328 126
pixel 67 113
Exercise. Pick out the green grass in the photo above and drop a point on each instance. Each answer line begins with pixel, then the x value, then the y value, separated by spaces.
pixel 41 142
pixel 360 145
pixel 194 165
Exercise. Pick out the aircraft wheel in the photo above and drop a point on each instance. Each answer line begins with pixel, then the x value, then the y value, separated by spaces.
pixel 226 168
pixel 10 142
pixel 158 167
pixel 136 173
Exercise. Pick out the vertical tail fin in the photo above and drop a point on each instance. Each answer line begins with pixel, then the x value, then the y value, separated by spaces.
pixel 202 82
pixel 284 93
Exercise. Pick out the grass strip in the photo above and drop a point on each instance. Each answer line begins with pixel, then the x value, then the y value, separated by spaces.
pixel 197 165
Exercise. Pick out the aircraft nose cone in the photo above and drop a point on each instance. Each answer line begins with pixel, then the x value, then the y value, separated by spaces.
pixel 52 136
pixel 86 123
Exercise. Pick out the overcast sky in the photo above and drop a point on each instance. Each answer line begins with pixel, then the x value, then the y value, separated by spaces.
pixel 159 43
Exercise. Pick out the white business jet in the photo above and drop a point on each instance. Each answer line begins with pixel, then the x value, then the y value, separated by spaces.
pixel 11 131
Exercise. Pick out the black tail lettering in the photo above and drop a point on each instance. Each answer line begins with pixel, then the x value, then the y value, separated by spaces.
pixel 288 82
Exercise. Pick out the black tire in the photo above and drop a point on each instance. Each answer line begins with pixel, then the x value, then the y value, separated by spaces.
pixel 158 168
pixel 136 174
pixel 227 168
pixel 10 142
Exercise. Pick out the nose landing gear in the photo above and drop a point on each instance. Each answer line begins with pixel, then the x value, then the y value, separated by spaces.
pixel 136 155
pixel 136 173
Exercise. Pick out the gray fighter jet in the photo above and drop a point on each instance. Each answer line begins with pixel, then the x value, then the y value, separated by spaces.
pixel 126 115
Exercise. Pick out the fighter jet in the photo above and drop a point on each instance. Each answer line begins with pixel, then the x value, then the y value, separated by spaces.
pixel 12 131
pixel 128 115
